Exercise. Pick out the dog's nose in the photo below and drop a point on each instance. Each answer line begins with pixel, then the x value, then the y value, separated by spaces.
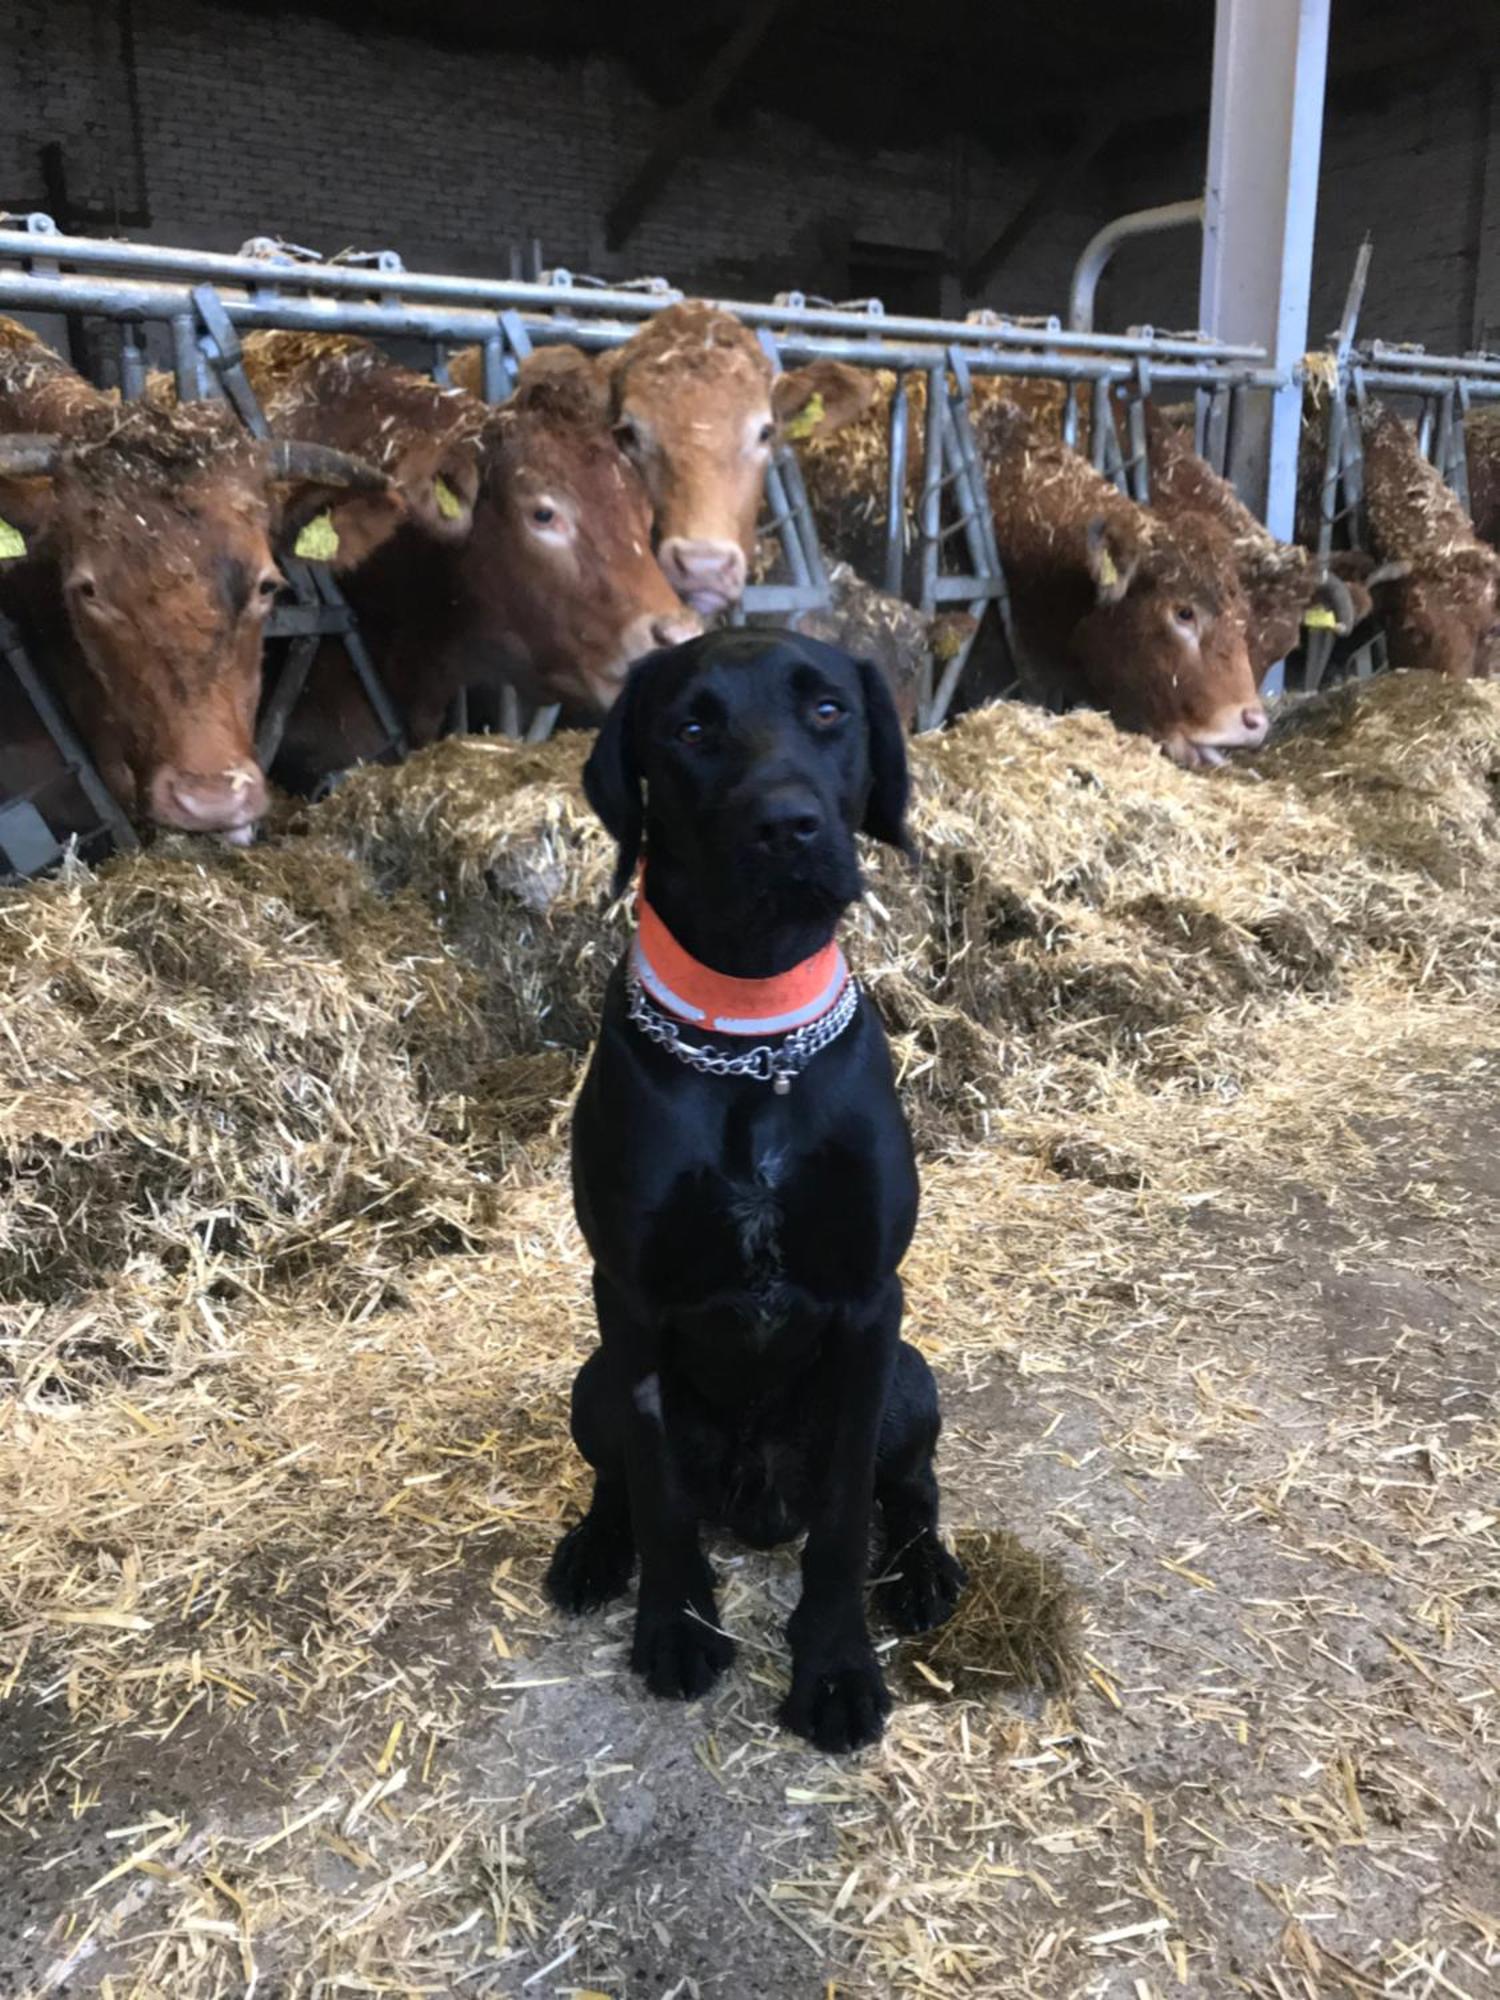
pixel 788 821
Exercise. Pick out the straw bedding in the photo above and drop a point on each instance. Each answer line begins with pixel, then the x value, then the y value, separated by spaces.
pixel 291 1298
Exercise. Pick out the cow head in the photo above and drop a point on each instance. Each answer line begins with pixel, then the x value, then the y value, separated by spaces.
pixel 339 390
pixel 1164 647
pixel 1441 614
pixel 559 566
pixel 696 410
pixel 162 526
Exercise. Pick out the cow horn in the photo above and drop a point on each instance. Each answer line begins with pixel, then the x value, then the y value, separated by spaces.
pixel 28 455
pixel 1334 592
pixel 1391 572
pixel 292 458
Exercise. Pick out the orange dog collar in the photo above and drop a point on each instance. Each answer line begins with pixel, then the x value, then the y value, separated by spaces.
pixel 695 993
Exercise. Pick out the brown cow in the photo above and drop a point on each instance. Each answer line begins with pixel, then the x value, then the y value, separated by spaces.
pixel 696 409
pixel 1281 581
pixel 555 590
pixel 340 391
pixel 149 568
pixel 1116 608
pixel 1436 582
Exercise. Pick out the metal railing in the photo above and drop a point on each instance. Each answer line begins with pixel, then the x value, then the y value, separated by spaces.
pixel 202 301
pixel 1439 392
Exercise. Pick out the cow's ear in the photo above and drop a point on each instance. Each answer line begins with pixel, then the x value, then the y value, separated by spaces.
pixel 441 497
pixel 28 462
pixel 885 739
pixel 25 514
pixel 1113 554
pixel 613 780
pixel 815 401
pixel 330 524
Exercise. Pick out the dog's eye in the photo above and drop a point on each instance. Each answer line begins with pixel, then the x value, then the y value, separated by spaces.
pixel 827 714
pixel 691 732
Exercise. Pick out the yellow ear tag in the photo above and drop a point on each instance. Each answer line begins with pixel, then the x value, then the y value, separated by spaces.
pixel 1108 574
pixel 807 418
pixel 1320 618
pixel 448 503
pixel 319 540
pixel 12 542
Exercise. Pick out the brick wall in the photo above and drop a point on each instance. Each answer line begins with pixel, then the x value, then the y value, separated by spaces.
pixel 273 123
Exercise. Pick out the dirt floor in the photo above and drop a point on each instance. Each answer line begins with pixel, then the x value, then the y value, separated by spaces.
pixel 1209 1268
pixel 1275 1772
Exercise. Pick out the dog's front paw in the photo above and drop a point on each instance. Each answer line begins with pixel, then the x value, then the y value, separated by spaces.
pixel 924 1587
pixel 838 1707
pixel 590 1565
pixel 677 1653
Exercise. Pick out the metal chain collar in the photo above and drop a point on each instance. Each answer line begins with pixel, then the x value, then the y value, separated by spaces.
pixel 775 1063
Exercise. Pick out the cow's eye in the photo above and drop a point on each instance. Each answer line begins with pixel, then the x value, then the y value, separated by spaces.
pixel 767 432
pixel 627 437
pixel 691 732
pixel 1185 614
pixel 543 516
pixel 267 588
pixel 86 587
pixel 828 714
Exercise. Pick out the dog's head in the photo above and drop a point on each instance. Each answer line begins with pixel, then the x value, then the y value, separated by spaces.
pixel 745 762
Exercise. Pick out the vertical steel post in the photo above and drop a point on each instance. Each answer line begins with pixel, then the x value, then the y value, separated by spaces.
pixel 895 494
pixel 1264 145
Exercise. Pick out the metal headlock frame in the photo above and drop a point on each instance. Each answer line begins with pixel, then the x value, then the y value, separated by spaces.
pixel 204 300
pixel 1445 386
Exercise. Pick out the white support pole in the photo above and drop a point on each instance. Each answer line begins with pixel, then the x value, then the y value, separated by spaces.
pixel 1264 143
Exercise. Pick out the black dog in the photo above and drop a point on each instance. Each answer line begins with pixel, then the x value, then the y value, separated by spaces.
pixel 748 1196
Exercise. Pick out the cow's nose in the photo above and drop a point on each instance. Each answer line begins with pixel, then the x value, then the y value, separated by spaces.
pixel 646 633
pixel 708 575
pixel 228 801
pixel 676 627
pixel 787 822
pixel 1257 724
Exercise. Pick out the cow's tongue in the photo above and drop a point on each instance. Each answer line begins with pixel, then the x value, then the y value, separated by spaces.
pixel 706 603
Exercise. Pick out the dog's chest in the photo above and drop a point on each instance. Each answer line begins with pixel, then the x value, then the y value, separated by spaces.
pixel 726 1239
pixel 755 1212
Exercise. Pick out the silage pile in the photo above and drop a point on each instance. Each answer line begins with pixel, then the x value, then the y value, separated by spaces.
pixel 304 1068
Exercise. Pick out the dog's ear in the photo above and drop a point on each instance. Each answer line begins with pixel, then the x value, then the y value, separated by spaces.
pixel 613 781
pixel 885 809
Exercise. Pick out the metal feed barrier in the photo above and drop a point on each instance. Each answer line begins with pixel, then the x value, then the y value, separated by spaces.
pixel 1440 391
pixel 198 303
